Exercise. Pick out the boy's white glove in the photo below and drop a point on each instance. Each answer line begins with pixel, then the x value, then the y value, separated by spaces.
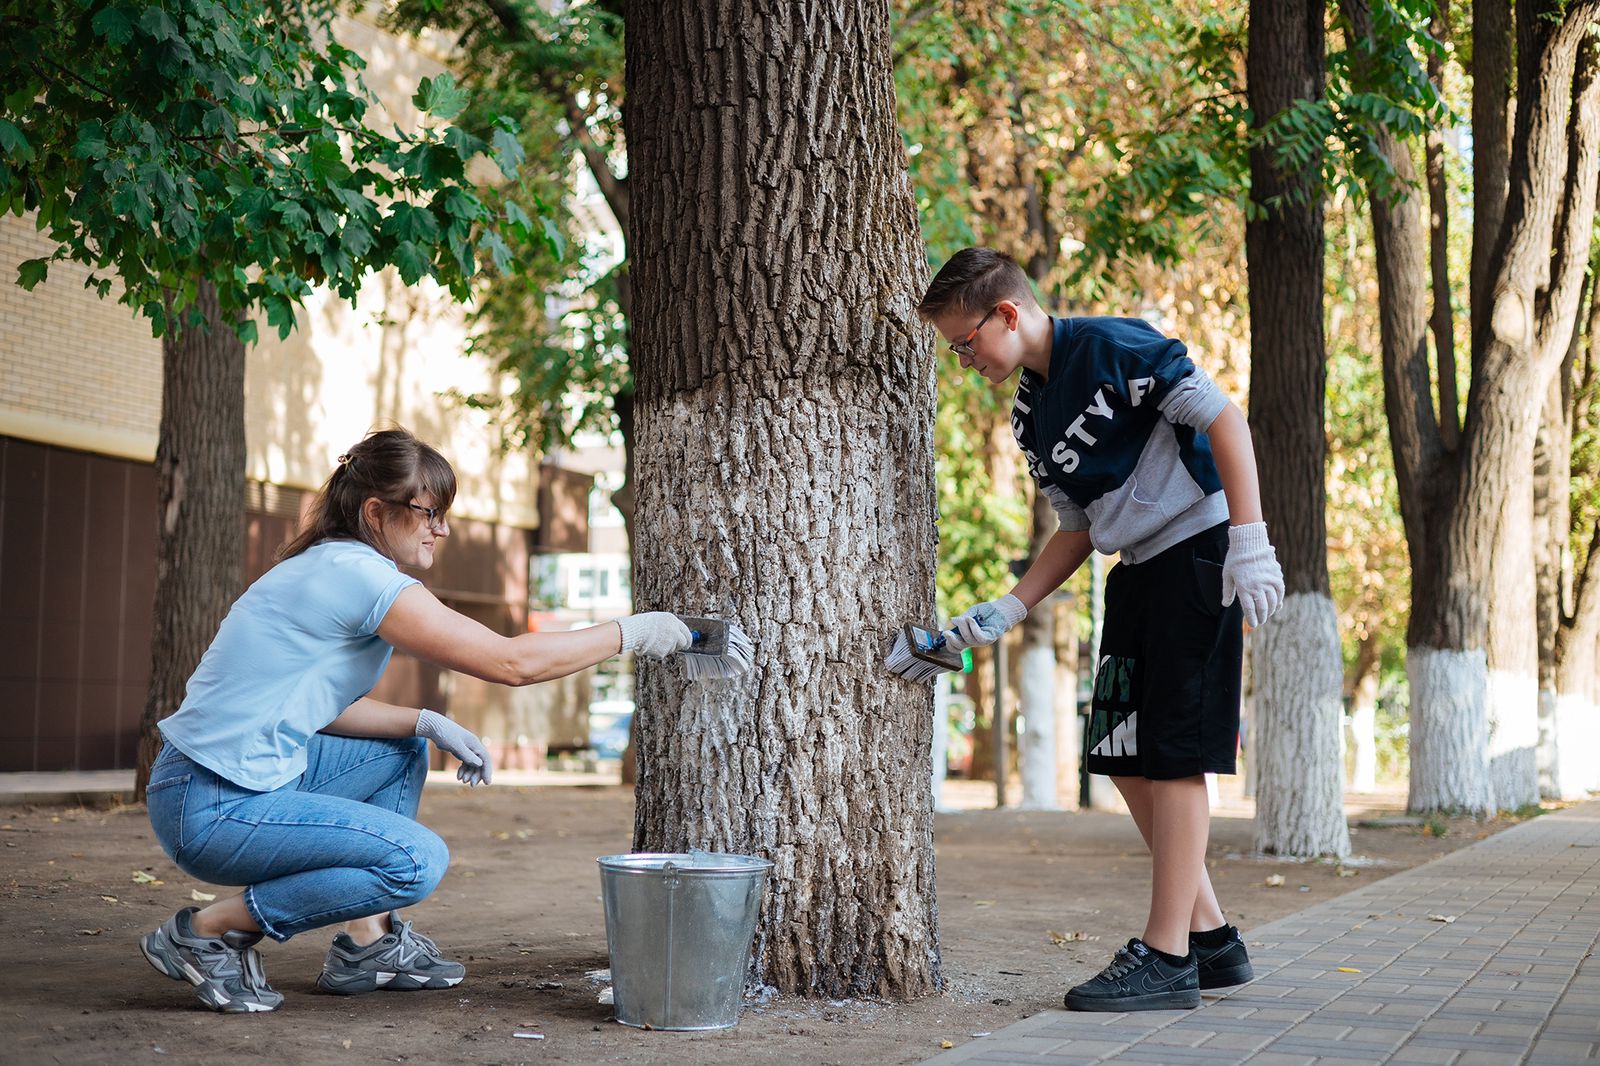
pixel 1251 572
pixel 655 633
pixel 463 743
pixel 986 623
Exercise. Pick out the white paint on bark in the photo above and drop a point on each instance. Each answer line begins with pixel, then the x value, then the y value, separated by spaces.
pixel 1576 770
pixel 1364 745
pixel 1295 733
pixel 1036 745
pixel 1449 745
pixel 1513 713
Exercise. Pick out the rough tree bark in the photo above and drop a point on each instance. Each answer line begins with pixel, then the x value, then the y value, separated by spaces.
pixel 1473 729
pixel 1569 607
pixel 784 419
pixel 1298 670
pixel 200 460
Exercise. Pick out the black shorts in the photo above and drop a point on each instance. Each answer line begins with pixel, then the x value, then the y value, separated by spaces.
pixel 1166 688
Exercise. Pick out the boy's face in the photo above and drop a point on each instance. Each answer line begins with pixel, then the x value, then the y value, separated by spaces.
pixel 986 342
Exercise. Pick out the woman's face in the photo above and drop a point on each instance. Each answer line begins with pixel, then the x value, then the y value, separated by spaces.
pixel 413 535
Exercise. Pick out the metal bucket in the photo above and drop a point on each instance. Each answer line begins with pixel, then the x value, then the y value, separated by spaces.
pixel 679 926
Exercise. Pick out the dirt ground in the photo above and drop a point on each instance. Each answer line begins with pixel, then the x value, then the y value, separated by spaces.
pixel 521 906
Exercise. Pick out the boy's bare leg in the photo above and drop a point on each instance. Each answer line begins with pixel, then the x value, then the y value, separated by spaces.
pixel 1180 821
pixel 1207 912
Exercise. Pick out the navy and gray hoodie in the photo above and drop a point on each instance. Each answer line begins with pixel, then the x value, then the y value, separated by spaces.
pixel 1115 439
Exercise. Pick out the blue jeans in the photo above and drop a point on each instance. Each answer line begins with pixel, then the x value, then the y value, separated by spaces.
pixel 340 841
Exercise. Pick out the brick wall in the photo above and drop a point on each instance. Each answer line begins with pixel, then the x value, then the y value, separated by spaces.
pixel 68 358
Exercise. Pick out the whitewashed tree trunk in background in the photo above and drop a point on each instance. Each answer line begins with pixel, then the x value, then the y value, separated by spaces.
pixel 1364 733
pixel 1513 652
pixel 1297 717
pixel 1300 675
pixel 1036 744
pixel 1068 741
pixel 1449 744
pixel 1036 682
pixel 1534 191
pixel 784 420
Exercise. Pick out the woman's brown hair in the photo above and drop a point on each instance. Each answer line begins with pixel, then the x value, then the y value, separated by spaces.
pixel 392 465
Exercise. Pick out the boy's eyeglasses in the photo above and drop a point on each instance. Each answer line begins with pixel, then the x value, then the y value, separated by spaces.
pixel 434 516
pixel 963 347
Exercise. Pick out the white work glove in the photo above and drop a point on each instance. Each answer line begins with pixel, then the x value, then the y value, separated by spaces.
pixel 986 623
pixel 1251 572
pixel 475 765
pixel 656 634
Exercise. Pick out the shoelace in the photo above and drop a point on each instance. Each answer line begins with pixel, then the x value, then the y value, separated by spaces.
pixel 403 932
pixel 1123 963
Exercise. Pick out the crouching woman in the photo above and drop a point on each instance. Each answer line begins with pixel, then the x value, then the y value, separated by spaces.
pixel 280 774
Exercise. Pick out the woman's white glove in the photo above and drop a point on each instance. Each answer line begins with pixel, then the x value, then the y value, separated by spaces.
pixel 1251 572
pixel 464 744
pixel 986 623
pixel 656 634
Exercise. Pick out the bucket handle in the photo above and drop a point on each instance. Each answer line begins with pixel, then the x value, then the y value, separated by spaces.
pixel 669 874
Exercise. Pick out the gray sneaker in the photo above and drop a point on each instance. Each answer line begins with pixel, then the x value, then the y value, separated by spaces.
pixel 402 960
pixel 227 973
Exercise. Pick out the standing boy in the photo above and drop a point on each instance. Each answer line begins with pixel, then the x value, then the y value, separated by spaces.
pixel 1138 453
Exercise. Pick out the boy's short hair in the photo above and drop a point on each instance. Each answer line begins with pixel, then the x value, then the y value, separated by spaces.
pixel 973 281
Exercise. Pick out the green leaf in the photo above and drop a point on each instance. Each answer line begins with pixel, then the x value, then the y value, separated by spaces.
pixel 508 153
pixel 32 271
pixel 554 239
pixel 112 24
pixel 440 97
pixel 412 264
pixel 13 142
pixel 158 24
pixel 495 247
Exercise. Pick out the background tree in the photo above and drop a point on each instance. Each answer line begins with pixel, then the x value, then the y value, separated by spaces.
pixel 1472 637
pixel 785 456
pixel 1298 676
pixel 216 161
pixel 1566 532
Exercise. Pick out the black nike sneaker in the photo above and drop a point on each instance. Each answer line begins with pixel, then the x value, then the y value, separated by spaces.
pixel 1221 964
pixel 1139 979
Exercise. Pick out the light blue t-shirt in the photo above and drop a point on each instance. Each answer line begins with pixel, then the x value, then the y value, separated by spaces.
pixel 295 650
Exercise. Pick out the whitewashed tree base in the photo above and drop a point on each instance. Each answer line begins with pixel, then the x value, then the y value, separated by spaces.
pixel 1449 743
pixel 1513 738
pixel 1294 736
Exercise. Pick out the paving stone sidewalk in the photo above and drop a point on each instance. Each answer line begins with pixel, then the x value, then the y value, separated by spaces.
pixel 1511 979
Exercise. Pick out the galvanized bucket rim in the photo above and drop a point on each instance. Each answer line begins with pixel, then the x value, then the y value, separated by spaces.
pixel 692 864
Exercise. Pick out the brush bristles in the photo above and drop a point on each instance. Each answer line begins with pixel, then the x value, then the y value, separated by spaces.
pixel 909 666
pixel 737 660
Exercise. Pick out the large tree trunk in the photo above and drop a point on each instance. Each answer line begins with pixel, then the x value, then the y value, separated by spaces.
pixel 1549 213
pixel 1474 730
pixel 1570 706
pixel 1036 738
pixel 784 419
pixel 1298 669
pixel 200 460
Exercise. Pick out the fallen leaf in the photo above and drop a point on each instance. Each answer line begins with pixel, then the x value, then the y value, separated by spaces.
pixel 1345 871
pixel 345 1044
pixel 90 932
pixel 1445 918
pixel 983 903
pixel 1275 881
pixel 142 878
pixel 201 897
pixel 945 1043
pixel 1348 969
pixel 110 899
pixel 1067 938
